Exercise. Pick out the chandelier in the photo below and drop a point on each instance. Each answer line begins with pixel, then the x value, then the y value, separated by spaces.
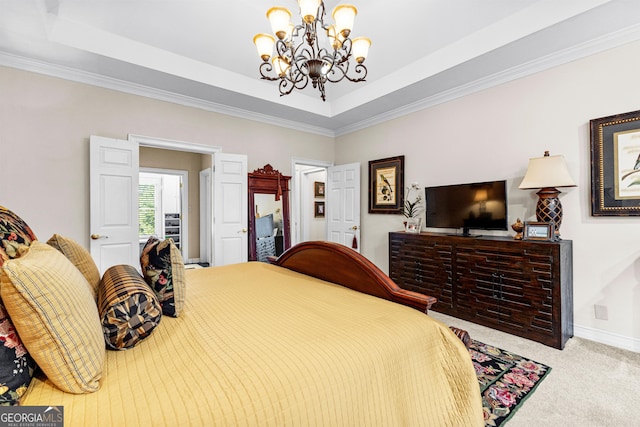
pixel 311 51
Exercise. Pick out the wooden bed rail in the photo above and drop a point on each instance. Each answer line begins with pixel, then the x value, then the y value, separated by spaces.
pixel 342 265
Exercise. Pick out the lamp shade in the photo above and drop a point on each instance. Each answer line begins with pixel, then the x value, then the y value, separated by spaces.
pixel 281 65
pixel 264 43
pixel 279 18
pixel 361 48
pixel 309 9
pixel 344 15
pixel 547 171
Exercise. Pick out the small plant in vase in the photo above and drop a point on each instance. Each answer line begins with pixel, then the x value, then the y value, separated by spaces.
pixel 413 208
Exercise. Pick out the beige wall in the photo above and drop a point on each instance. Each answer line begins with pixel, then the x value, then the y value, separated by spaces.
pixel 491 135
pixel 45 124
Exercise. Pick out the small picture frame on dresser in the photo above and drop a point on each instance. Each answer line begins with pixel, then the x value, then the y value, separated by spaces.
pixel 542 231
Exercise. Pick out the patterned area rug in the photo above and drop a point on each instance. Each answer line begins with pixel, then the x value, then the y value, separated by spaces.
pixel 506 380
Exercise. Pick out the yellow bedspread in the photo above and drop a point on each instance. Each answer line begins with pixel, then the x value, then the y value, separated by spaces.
pixel 259 345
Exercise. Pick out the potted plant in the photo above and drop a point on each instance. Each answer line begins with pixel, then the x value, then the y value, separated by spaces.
pixel 413 207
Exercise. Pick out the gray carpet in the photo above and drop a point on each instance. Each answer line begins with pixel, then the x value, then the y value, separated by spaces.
pixel 590 384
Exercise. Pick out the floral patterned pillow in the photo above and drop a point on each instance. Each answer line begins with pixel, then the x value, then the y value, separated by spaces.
pixel 16 365
pixel 15 235
pixel 163 270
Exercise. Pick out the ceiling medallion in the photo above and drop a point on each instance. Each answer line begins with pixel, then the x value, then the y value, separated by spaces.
pixel 311 51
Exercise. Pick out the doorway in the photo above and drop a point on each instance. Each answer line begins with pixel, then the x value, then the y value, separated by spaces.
pixel 169 157
pixel 162 197
pixel 308 205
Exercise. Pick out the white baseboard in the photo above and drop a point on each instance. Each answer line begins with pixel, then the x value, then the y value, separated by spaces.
pixel 608 338
pixel 192 261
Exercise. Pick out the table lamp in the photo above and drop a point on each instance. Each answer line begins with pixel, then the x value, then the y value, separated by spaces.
pixel 547 173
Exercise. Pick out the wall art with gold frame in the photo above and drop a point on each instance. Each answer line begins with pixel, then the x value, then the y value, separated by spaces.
pixel 615 165
pixel 386 185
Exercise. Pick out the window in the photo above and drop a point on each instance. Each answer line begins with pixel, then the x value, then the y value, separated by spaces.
pixel 147 196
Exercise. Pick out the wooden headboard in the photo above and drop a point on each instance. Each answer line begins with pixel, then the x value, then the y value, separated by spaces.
pixel 342 265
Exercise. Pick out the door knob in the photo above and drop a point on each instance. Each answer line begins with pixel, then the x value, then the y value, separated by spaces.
pixel 355 227
pixel 97 236
pixel 244 230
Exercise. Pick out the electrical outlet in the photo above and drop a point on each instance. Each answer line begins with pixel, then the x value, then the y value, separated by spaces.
pixel 601 312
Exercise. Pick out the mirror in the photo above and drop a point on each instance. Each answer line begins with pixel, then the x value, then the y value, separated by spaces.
pixel 268 213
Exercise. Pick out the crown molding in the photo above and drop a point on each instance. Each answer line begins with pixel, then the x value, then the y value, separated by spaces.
pixel 93 79
pixel 601 44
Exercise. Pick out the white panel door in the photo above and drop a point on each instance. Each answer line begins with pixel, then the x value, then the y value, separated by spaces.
pixel 343 205
pixel 230 209
pixel 113 166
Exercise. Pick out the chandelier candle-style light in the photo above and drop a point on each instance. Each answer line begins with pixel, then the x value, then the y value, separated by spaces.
pixel 311 51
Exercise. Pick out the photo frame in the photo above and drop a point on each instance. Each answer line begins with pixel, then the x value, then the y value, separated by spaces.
pixel 542 231
pixel 615 165
pixel 386 185
pixel 318 209
pixel 318 189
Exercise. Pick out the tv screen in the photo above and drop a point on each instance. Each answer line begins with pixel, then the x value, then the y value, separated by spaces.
pixel 480 205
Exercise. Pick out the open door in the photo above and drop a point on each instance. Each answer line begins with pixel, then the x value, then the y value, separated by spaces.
pixel 206 215
pixel 113 171
pixel 343 205
pixel 230 208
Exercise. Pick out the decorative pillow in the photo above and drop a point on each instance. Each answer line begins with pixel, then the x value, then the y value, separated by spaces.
pixel 80 257
pixel 15 235
pixel 163 270
pixel 56 316
pixel 129 310
pixel 16 365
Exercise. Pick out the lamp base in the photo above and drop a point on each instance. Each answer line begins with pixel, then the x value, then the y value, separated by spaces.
pixel 549 208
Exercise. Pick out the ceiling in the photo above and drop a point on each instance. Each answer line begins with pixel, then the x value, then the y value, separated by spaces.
pixel 200 52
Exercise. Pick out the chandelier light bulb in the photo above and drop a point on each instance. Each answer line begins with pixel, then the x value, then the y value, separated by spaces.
pixel 344 15
pixel 360 48
pixel 279 18
pixel 281 64
pixel 309 10
pixel 264 43
pixel 335 39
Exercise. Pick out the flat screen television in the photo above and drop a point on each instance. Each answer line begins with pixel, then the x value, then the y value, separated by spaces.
pixel 480 206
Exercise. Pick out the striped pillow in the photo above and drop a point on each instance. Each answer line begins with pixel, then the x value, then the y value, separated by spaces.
pixel 79 257
pixel 51 305
pixel 129 309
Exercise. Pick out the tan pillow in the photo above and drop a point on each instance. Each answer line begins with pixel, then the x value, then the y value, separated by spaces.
pixel 79 257
pixel 51 305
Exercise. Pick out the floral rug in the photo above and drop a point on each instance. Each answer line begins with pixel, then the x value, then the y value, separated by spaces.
pixel 506 380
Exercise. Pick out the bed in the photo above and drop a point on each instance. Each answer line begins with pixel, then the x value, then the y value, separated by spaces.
pixel 318 337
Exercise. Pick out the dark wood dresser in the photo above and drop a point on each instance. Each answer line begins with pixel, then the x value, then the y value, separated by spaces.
pixel 521 287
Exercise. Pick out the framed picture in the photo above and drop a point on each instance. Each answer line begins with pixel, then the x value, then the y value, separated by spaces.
pixel 386 185
pixel 318 209
pixel 539 231
pixel 318 189
pixel 615 165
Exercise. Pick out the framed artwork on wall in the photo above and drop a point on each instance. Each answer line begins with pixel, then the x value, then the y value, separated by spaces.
pixel 615 165
pixel 318 209
pixel 386 185
pixel 318 189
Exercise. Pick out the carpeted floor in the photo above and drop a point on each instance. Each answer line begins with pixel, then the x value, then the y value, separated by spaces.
pixel 592 384
pixel 506 380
